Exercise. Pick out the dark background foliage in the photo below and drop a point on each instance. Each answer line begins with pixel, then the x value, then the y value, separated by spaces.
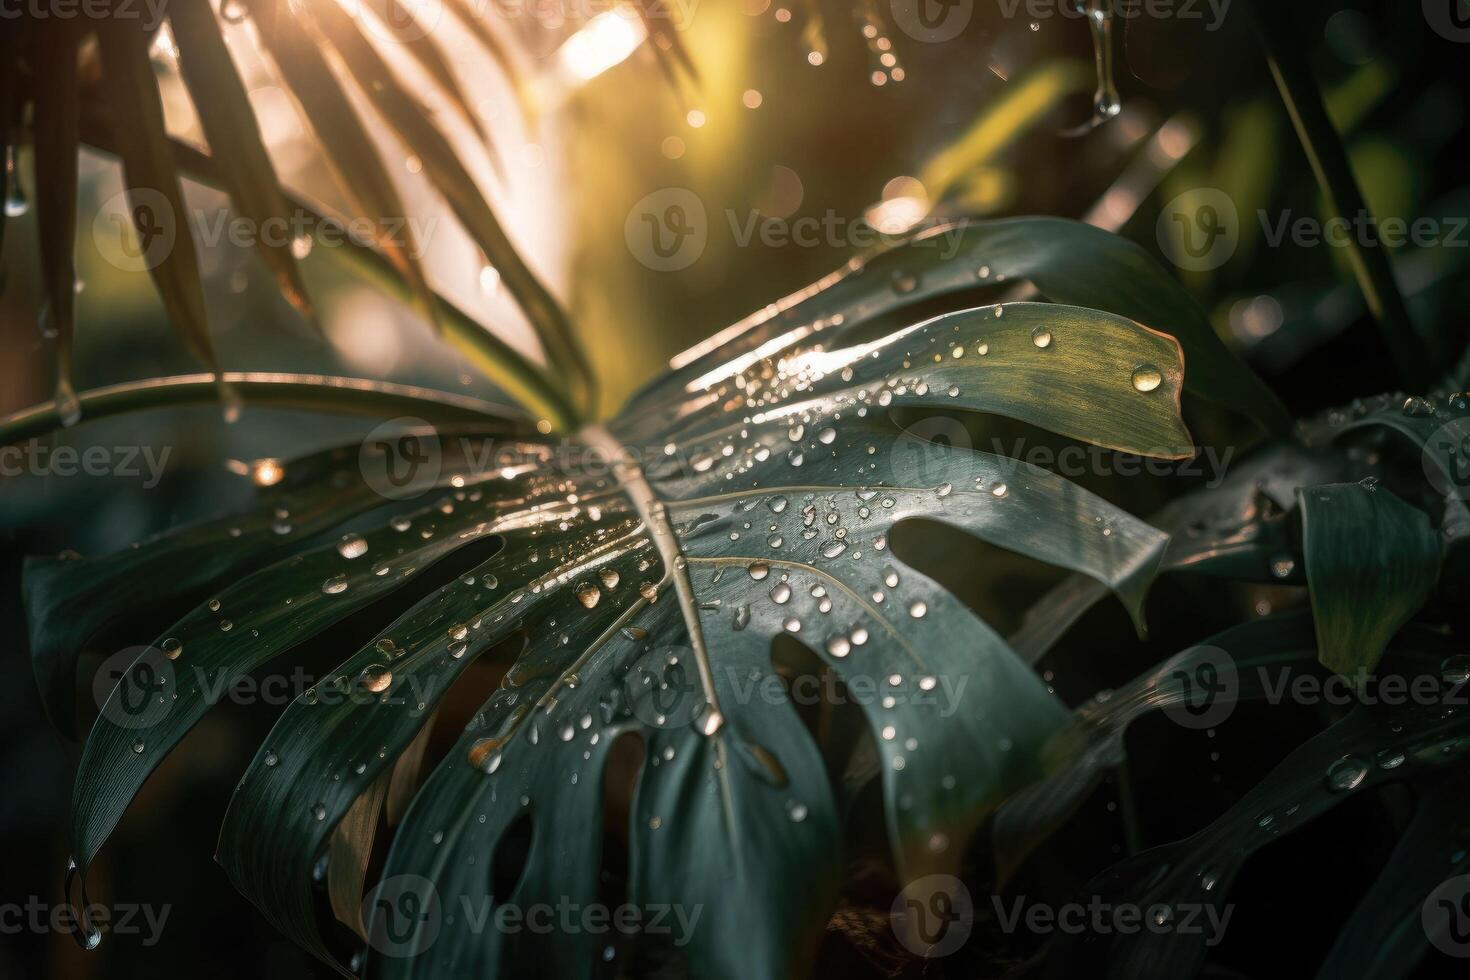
pixel 1401 91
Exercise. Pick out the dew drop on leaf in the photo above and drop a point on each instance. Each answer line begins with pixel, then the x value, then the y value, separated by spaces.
pixel 335 585
pixel 352 546
pixel 1146 377
pixel 1041 337
pixel 588 594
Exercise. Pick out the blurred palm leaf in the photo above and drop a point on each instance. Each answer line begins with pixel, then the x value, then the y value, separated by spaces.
pixel 118 84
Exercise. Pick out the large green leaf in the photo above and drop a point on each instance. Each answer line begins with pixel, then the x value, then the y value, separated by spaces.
pixel 755 506
pixel 1372 562
pixel 1067 261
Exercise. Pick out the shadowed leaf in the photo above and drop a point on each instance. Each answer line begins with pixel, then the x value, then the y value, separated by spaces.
pixel 1372 561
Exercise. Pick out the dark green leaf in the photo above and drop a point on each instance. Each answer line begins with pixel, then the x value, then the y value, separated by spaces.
pixel 651 595
pixel 1372 561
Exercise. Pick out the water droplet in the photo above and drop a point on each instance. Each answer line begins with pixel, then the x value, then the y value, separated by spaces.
pixel 588 594
pixel 1041 337
pixel 833 548
pixel 1282 566
pixel 777 504
pixel 839 646
pixel 68 405
pixel 759 570
pixel 376 678
pixel 1146 377
pixel 827 436
pixel 610 578
pixel 918 609
pixel 319 812
pixel 1346 774
pixel 742 618
pixel 944 490
pixel 796 811
pixel 335 585
pixel 792 625
pixel 352 546
pixel 172 648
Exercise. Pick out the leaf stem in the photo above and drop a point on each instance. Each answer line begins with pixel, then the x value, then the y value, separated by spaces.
pixel 311 392
pixel 1286 55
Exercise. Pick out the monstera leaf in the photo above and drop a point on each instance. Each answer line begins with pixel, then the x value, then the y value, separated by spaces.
pixel 638 574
